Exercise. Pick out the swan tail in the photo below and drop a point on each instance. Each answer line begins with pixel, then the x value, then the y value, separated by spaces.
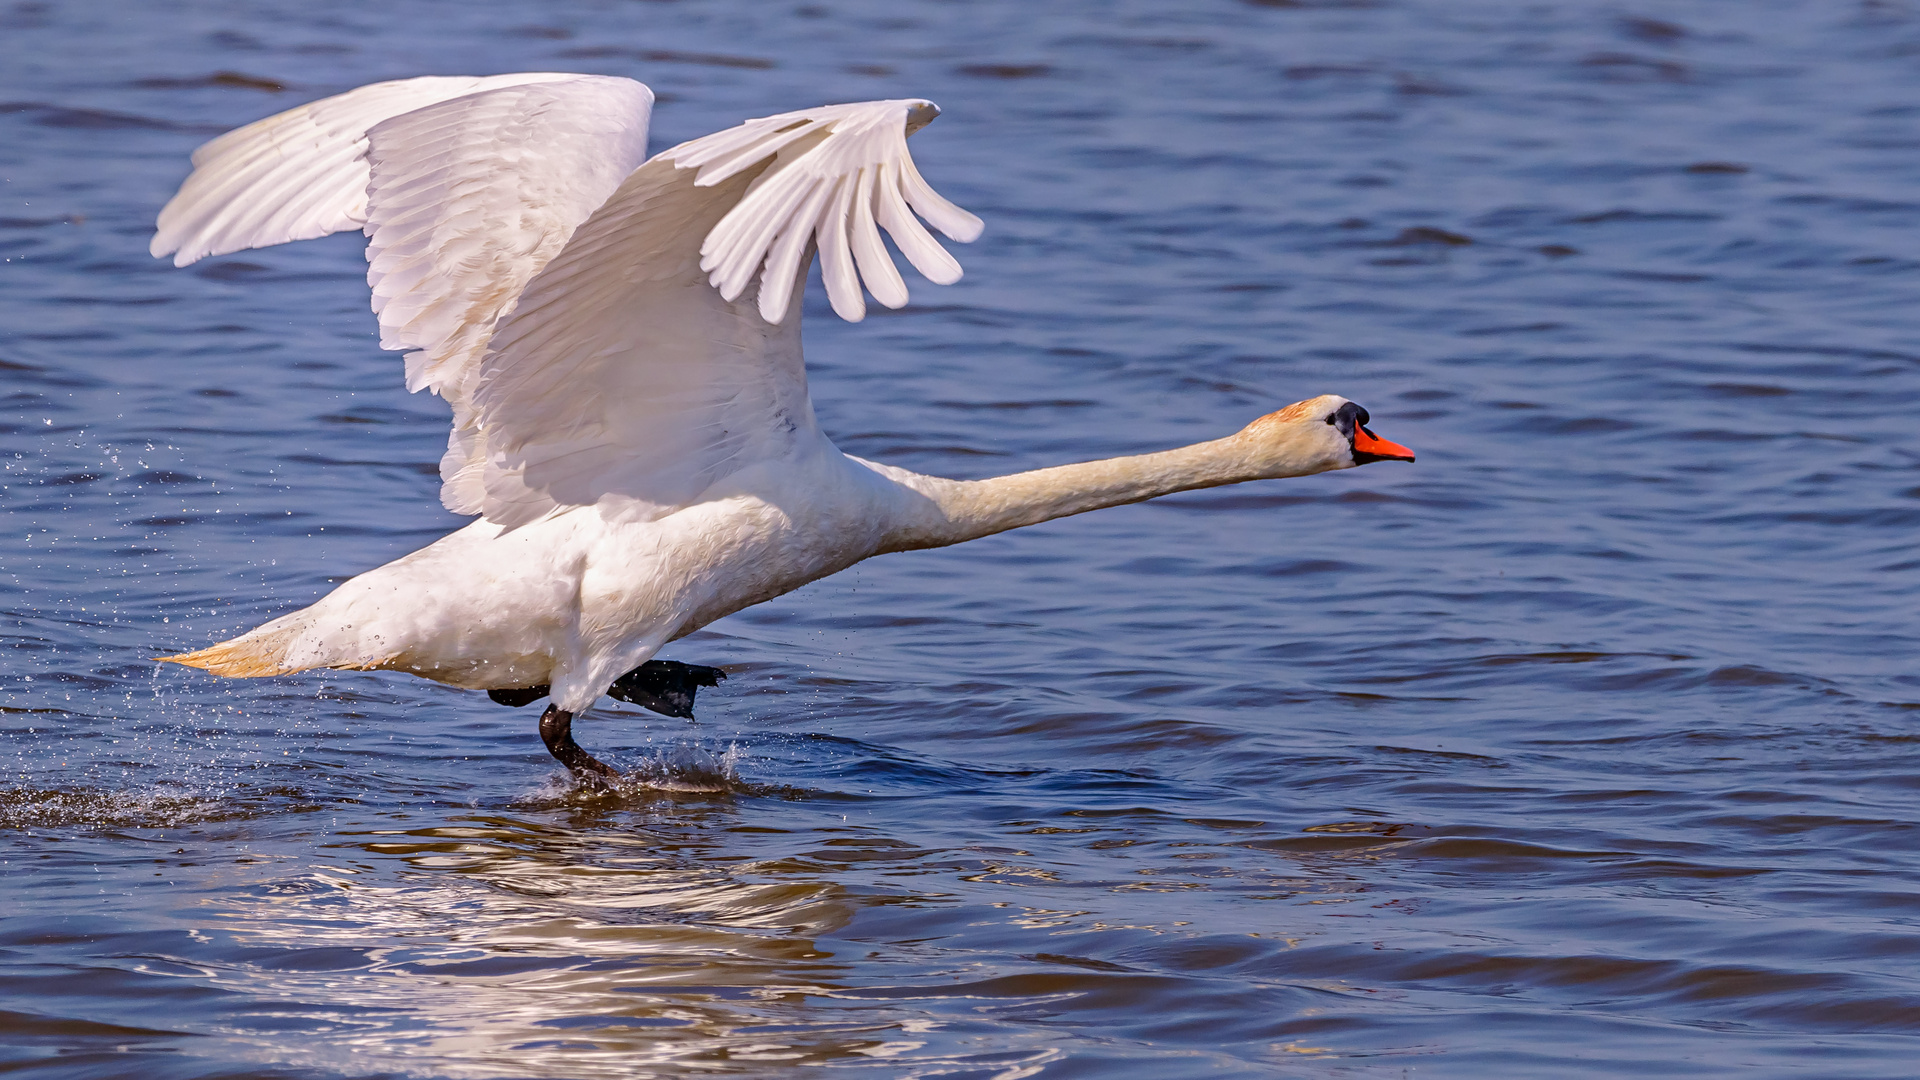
pixel 264 650
pixel 236 659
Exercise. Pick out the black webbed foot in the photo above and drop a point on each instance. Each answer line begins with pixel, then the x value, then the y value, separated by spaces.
pixel 665 686
pixel 517 698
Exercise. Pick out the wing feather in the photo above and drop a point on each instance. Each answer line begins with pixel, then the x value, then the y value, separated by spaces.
pixel 837 271
pixel 952 221
pixel 914 241
pixel 783 258
pixel 882 278
pixel 302 172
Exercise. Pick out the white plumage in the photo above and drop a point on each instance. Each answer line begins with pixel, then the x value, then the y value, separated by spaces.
pixel 620 341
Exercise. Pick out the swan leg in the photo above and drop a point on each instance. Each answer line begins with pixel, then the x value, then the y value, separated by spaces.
pixel 556 730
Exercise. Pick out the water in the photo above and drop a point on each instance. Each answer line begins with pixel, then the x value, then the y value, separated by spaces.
pixel 1585 747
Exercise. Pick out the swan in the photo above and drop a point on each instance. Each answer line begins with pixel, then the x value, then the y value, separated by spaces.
pixel 619 338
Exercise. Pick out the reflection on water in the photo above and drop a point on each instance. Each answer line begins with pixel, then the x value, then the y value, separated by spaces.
pixel 523 947
pixel 612 934
pixel 1583 748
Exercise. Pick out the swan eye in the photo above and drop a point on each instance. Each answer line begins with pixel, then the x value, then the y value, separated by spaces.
pixel 1347 417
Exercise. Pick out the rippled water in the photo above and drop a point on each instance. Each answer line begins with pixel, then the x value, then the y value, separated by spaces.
pixel 1587 746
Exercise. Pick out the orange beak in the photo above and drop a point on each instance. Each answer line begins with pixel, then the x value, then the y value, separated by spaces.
pixel 1370 447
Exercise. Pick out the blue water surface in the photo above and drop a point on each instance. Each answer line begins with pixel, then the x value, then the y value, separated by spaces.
pixel 1587 746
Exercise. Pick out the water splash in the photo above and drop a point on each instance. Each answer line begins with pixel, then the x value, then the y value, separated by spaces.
pixel 688 767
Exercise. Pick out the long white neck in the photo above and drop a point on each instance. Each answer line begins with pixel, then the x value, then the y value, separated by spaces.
pixel 957 510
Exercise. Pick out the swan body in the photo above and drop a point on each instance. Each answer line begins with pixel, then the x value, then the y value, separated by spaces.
pixel 619 339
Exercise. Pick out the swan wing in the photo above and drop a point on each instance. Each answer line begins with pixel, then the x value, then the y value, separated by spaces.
pixel 299 174
pixel 659 352
pixel 465 186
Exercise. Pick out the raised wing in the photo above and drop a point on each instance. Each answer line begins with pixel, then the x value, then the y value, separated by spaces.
pixel 465 186
pixel 659 352
pixel 299 174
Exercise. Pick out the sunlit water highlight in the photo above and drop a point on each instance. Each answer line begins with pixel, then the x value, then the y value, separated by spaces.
pixel 1585 747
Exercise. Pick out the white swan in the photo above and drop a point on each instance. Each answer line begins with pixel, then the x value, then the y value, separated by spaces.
pixel 619 338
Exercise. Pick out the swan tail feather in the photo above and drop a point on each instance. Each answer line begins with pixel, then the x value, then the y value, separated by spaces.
pixel 264 650
pixel 236 659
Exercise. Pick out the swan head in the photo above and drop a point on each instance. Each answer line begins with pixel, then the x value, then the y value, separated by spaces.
pixel 1317 435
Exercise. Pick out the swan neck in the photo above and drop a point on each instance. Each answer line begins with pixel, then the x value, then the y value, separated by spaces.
pixel 969 509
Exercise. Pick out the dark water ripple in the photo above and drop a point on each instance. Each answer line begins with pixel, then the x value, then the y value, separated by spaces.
pixel 1585 747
